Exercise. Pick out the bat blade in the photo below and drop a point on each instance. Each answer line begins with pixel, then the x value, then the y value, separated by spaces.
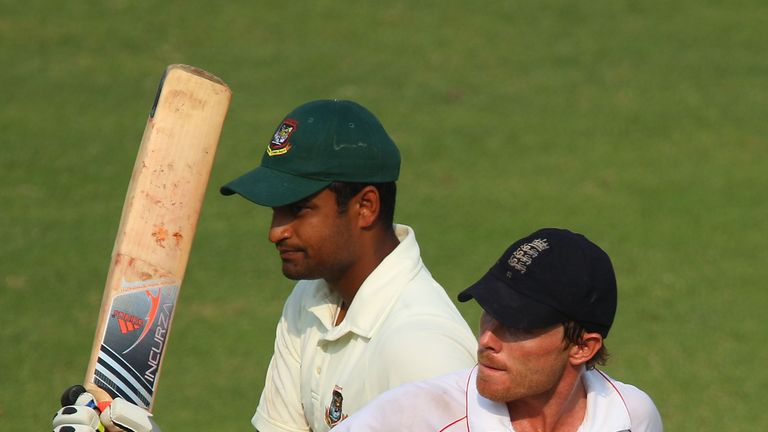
pixel 154 238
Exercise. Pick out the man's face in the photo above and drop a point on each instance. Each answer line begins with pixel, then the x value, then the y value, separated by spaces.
pixel 514 364
pixel 313 239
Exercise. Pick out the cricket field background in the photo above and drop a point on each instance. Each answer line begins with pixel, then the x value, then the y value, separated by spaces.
pixel 642 124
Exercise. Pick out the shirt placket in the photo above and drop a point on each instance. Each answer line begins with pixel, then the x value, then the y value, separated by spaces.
pixel 320 382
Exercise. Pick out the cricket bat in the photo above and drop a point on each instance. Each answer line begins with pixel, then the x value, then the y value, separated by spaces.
pixel 155 235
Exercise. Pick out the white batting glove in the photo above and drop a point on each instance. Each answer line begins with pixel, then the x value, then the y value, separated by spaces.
pixel 118 415
pixel 122 415
pixel 76 418
pixel 81 416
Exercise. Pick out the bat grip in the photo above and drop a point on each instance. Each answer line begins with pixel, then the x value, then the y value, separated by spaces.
pixel 102 397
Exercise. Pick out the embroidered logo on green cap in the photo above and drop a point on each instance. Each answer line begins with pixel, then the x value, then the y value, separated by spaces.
pixel 280 144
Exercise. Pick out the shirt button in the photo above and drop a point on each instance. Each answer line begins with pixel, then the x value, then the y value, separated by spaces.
pixel 317 371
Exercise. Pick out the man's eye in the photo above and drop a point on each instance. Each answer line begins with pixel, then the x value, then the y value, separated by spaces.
pixel 520 334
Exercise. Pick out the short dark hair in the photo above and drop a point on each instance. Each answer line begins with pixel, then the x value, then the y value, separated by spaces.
pixel 573 334
pixel 387 194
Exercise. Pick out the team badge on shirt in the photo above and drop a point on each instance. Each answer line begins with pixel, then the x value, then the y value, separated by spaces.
pixel 279 144
pixel 334 414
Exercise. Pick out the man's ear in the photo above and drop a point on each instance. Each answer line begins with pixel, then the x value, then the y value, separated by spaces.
pixel 590 344
pixel 368 206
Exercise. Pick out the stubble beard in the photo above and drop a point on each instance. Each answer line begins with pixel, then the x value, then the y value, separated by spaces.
pixel 519 384
pixel 328 263
pixel 331 268
pixel 293 271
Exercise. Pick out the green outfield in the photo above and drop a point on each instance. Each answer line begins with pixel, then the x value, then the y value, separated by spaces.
pixel 640 124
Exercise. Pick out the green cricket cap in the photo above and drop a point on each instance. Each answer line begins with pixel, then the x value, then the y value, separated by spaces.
pixel 316 144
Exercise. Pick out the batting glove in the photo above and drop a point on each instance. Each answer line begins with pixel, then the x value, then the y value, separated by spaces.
pixel 85 415
pixel 76 419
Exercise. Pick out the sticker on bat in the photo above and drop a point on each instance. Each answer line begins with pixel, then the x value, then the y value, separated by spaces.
pixel 134 341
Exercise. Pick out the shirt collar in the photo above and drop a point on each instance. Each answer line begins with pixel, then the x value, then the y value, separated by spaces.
pixel 606 410
pixel 379 291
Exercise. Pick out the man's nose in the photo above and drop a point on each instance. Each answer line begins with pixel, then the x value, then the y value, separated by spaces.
pixel 280 228
pixel 487 339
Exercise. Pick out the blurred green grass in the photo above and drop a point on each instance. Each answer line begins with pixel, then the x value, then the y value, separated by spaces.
pixel 641 125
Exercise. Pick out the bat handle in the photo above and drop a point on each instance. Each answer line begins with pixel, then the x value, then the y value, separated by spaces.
pixel 102 397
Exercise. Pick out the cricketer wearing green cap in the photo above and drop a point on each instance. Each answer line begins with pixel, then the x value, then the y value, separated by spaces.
pixel 316 144
pixel 365 314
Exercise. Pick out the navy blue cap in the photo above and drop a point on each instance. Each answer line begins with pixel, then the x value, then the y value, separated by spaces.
pixel 549 277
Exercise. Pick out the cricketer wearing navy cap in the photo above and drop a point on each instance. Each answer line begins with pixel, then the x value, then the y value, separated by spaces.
pixel 549 277
pixel 548 302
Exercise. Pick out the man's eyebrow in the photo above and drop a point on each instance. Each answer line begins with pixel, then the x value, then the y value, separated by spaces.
pixel 304 201
pixel 308 199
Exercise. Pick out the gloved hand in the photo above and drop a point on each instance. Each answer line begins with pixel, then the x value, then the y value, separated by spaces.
pixel 81 413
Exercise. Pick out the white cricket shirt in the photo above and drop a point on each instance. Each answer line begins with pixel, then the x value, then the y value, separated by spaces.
pixel 400 327
pixel 450 403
